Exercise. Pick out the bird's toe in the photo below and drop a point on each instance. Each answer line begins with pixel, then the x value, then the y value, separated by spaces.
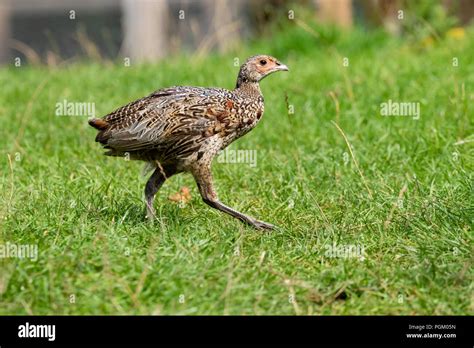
pixel 150 213
pixel 264 226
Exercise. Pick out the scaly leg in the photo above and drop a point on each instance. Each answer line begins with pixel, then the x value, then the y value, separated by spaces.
pixel 153 184
pixel 203 177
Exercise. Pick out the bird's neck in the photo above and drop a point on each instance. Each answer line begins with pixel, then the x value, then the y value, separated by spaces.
pixel 248 88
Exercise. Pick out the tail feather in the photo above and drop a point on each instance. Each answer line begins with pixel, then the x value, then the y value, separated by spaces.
pixel 101 126
pixel 98 123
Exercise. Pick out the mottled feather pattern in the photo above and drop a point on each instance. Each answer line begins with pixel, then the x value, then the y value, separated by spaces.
pixel 173 123
pixel 182 128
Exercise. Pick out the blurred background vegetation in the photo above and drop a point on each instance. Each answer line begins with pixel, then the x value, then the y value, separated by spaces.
pixel 55 31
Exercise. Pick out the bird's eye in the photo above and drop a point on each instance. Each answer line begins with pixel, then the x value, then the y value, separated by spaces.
pixel 263 62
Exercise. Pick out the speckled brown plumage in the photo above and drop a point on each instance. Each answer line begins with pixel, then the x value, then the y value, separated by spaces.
pixel 181 129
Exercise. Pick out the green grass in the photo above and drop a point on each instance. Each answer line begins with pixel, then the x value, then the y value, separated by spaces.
pixel 410 206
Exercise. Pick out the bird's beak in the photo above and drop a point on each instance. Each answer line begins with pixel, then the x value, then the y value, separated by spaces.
pixel 281 67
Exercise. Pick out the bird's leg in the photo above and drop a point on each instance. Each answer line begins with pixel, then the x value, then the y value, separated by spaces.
pixel 203 177
pixel 152 186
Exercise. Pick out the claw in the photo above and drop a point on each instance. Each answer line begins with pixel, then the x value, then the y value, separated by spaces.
pixel 261 225
pixel 150 213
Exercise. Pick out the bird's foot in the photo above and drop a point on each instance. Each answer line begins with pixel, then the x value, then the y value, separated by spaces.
pixel 262 225
pixel 150 213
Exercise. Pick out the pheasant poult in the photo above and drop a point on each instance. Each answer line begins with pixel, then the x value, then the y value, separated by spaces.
pixel 181 129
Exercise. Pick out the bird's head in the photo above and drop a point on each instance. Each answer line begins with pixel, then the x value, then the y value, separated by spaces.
pixel 258 67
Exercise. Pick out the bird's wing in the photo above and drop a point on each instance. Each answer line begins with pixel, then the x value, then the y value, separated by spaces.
pixel 172 116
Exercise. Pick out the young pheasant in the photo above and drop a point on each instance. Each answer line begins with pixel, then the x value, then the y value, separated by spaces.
pixel 181 129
